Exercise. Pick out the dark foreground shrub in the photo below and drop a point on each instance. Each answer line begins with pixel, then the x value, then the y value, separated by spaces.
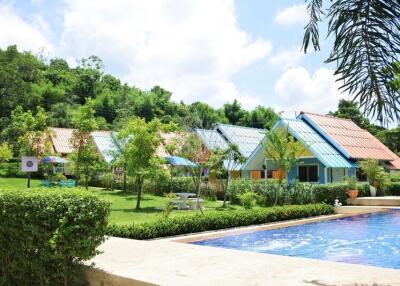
pixel 393 189
pixel 216 220
pixel 45 235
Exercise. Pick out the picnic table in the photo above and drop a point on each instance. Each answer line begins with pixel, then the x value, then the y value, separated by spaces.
pixel 186 201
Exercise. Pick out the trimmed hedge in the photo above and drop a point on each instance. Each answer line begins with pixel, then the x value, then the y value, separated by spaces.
pixel 216 220
pixel 393 189
pixel 294 193
pixel 327 193
pixel 45 235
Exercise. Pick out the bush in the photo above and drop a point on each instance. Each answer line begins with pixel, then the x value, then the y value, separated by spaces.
pixel 45 235
pixel 327 193
pixel 393 189
pixel 12 169
pixel 395 179
pixel 294 193
pixel 216 220
pixel 363 190
pixel 248 200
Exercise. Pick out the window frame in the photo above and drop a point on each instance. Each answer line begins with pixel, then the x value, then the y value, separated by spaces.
pixel 308 175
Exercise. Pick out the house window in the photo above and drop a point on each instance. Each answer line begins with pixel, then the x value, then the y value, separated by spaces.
pixel 361 176
pixel 308 173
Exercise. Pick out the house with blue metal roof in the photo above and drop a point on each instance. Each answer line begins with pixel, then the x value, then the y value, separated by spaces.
pixel 246 138
pixel 106 145
pixel 321 163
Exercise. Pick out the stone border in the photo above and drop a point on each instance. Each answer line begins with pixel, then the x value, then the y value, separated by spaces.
pixel 340 212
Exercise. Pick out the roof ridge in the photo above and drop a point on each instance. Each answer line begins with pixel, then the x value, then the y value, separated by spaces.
pixel 326 115
pixel 239 126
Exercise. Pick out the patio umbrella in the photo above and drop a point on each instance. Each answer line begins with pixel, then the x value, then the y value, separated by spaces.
pixel 179 161
pixel 54 160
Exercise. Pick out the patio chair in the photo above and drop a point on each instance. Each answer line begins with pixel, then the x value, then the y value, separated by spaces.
pixel 45 183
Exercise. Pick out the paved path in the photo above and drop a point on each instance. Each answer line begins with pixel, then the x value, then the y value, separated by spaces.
pixel 163 262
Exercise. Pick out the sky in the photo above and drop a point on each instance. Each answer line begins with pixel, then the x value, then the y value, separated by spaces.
pixel 201 50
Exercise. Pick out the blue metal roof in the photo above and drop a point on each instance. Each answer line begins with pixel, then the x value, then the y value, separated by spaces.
pixel 211 139
pixel 106 145
pixel 246 138
pixel 316 144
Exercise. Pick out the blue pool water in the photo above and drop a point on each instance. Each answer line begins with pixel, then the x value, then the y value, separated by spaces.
pixel 371 239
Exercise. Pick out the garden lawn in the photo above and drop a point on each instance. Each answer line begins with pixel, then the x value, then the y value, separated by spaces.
pixel 123 204
pixel 17 183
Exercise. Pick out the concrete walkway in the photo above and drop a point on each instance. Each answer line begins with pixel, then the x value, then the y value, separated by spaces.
pixel 375 201
pixel 163 262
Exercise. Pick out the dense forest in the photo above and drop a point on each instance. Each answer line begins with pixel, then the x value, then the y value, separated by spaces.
pixel 52 89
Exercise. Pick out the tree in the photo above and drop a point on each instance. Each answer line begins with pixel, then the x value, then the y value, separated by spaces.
pixel 5 152
pixel 27 132
pixel 84 156
pixel 366 46
pixel 234 112
pixel 261 117
pixel 284 151
pixel 141 141
pixel 18 71
pixel 222 163
pixel 35 141
pixel 195 151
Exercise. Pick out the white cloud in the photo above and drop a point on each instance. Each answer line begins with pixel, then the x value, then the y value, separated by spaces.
pixel 286 58
pixel 189 47
pixel 301 91
pixel 292 15
pixel 27 35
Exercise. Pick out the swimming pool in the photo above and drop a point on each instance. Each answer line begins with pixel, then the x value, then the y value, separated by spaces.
pixel 371 239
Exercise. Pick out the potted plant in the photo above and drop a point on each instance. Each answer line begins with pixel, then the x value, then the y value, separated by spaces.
pixel 352 192
pixel 376 176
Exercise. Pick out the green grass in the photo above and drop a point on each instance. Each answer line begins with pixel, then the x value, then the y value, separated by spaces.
pixel 123 204
pixel 17 183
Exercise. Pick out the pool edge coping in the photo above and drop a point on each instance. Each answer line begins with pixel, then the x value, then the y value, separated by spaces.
pixel 194 237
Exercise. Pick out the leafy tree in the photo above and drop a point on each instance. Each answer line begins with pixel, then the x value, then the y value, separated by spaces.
pixel 88 75
pixel 27 132
pixel 284 151
pixel 5 152
pixel 84 156
pixel 202 115
pixel 234 112
pixel 261 117
pixel 141 141
pixel 222 163
pixel 18 71
pixel 195 151
pixel 366 46
pixel 35 141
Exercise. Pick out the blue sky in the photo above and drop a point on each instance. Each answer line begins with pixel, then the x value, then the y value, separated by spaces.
pixel 208 50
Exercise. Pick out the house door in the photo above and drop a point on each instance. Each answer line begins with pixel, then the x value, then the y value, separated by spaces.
pixel 338 174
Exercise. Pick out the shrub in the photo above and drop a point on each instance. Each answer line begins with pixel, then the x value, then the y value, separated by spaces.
pixel 248 200
pixel 45 235
pixel 216 220
pixel 294 193
pixel 393 189
pixel 12 169
pixel 327 193
pixel 395 178
pixel 363 190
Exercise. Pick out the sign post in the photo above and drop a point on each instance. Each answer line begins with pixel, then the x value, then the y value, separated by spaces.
pixel 29 164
